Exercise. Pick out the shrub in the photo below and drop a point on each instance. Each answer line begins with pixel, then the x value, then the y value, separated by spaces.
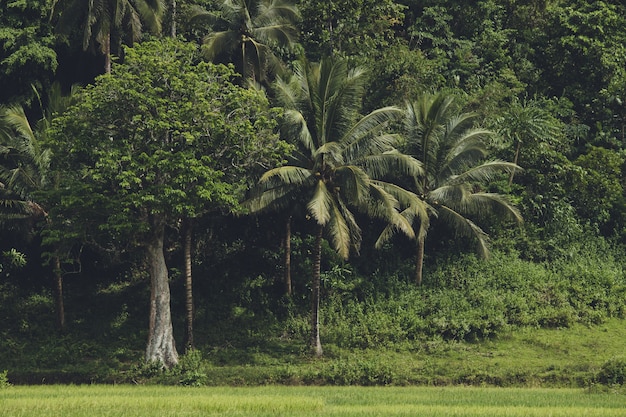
pixel 613 372
pixel 4 380
pixel 191 369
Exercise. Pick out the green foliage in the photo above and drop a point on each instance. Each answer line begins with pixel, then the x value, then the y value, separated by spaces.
pixel 355 370
pixel 106 24
pixel 249 34
pixel 467 299
pixel 27 48
pixel 180 148
pixel 12 259
pixel 4 381
pixel 613 372
pixel 348 28
pixel 191 369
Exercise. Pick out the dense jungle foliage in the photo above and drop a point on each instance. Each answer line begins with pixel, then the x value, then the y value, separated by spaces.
pixel 303 178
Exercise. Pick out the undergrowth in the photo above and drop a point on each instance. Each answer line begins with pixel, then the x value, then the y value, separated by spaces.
pixel 377 328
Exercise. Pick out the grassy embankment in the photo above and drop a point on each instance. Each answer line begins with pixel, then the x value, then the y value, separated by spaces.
pixel 503 322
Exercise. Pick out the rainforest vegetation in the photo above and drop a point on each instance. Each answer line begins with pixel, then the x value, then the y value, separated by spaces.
pixel 186 182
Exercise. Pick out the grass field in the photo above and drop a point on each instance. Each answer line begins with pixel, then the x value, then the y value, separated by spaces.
pixel 145 401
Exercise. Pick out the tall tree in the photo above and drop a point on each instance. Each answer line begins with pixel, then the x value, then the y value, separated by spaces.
pixel 153 155
pixel 453 152
pixel 102 22
pixel 527 124
pixel 248 33
pixel 340 165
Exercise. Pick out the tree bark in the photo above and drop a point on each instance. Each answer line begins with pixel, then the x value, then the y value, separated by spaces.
pixel 287 258
pixel 316 344
pixel 419 261
pixel 161 346
pixel 173 27
pixel 106 49
pixel 517 151
pixel 58 281
pixel 189 309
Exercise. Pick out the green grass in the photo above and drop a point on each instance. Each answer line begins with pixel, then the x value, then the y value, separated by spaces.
pixel 570 357
pixel 145 401
pixel 527 357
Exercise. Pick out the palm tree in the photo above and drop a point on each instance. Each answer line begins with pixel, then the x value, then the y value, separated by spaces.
pixel 22 164
pixel 453 154
pixel 339 166
pixel 100 20
pixel 24 169
pixel 527 123
pixel 248 32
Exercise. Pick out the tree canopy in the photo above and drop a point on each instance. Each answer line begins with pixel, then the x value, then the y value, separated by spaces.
pixel 156 140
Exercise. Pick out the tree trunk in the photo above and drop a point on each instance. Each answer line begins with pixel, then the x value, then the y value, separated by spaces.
pixel 287 258
pixel 161 346
pixel 316 344
pixel 517 150
pixel 419 261
pixel 189 310
pixel 106 49
pixel 60 305
pixel 173 27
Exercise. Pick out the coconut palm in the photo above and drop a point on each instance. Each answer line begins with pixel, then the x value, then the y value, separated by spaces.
pixel 339 167
pixel 24 169
pixel 100 20
pixel 23 165
pixel 248 32
pixel 526 123
pixel 453 154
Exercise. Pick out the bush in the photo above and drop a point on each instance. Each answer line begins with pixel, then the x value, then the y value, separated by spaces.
pixel 191 369
pixel 4 381
pixel 613 372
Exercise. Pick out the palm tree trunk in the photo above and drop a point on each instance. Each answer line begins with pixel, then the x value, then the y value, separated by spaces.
pixel 419 261
pixel 316 344
pixel 161 347
pixel 189 310
pixel 60 305
pixel 243 63
pixel 287 258
pixel 517 150
pixel 173 27
pixel 106 49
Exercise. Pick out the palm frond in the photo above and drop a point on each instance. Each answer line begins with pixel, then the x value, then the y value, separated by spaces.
pixel 217 43
pixel 276 10
pixel 391 164
pixel 450 195
pixel 295 126
pixel 465 150
pixel 482 205
pixel 417 216
pixel 286 175
pixel 342 236
pixel 485 172
pixel 282 35
pixel 366 135
pixel 353 183
pixel 464 227
pixel 199 15
pixel 330 154
pixel 321 203
pixel 14 118
pixel 271 199
pixel 151 12
pixel 338 95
